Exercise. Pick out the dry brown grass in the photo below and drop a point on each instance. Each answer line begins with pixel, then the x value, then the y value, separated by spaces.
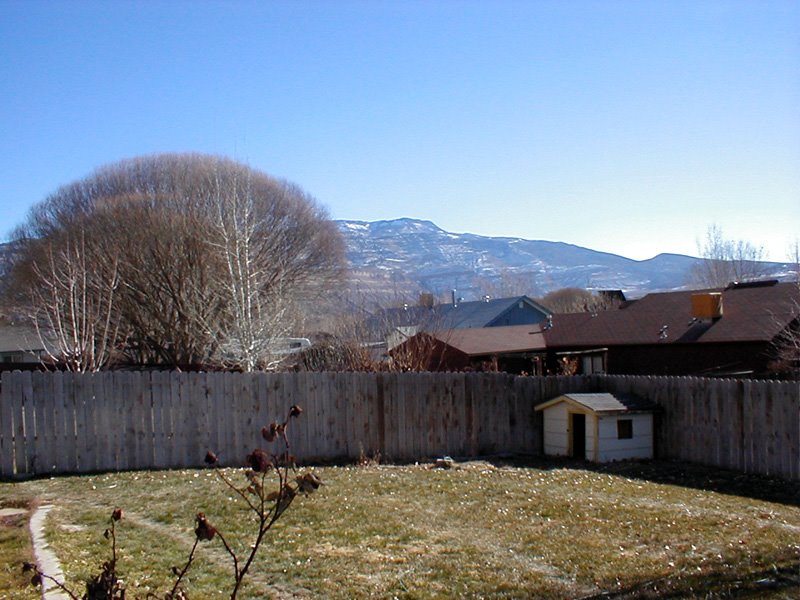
pixel 479 530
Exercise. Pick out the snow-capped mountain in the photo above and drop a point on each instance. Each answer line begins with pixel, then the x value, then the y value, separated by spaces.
pixel 410 252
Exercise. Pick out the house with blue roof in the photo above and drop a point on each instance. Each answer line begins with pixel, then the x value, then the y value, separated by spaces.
pixel 395 325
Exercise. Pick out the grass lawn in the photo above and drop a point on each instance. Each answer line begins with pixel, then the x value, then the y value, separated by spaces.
pixel 549 530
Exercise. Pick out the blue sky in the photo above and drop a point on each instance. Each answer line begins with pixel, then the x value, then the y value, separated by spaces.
pixel 623 126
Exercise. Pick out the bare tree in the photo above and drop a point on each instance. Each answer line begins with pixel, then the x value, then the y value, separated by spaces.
pixel 575 300
pixel 168 295
pixel 725 260
pixel 509 283
pixel 251 286
pixel 786 350
pixel 794 257
pixel 73 306
pixel 212 257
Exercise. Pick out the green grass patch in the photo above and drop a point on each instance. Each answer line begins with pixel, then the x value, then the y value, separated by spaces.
pixel 478 530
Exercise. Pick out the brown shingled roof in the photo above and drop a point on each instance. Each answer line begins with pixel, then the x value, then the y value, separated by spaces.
pixel 495 340
pixel 750 314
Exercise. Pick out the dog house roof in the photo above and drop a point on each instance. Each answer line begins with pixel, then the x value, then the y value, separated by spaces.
pixel 603 403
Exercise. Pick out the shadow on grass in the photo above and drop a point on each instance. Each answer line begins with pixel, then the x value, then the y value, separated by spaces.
pixel 757 487
pixel 776 582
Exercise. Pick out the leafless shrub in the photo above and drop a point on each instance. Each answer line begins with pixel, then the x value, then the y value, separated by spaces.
pixel 575 300
pixel 567 365
pixel 365 460
pixel 422 352
pixel 336 354
pixel 786 348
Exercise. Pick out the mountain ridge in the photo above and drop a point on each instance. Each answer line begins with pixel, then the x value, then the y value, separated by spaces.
pixel 418 253
pixel 391 223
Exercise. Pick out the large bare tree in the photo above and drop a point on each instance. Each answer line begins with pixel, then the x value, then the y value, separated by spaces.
pixel 211 257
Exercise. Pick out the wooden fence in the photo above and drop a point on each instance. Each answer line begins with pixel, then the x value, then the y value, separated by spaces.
pixel 751 426
pixel 68 423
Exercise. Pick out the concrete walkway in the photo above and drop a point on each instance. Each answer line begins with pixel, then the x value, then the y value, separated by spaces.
pixel 45 558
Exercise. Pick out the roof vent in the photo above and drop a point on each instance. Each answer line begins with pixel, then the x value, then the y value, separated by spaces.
pixel 707 305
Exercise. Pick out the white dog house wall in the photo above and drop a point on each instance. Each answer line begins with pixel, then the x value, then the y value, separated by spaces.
pixel 598 427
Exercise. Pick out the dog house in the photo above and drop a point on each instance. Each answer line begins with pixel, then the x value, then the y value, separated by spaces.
pixel 598 427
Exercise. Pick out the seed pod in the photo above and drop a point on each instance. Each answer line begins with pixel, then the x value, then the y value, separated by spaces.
pixel 308 483
pixel 204 529
pixel 258 460
pixel 270 433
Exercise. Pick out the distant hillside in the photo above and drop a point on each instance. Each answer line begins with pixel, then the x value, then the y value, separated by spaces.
pixel 411 252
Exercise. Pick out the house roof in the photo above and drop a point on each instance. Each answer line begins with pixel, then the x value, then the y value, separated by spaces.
pixel 494 340
pixel 440 317
pixel 602 403
pixel 750 314
pixel 19 338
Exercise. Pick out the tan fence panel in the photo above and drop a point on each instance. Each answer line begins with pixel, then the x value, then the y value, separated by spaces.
pixel 7 451
pixel 64 422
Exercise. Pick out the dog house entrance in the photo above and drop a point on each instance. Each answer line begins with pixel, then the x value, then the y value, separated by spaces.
pixel 578 435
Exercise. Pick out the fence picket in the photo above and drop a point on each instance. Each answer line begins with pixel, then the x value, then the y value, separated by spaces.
pixel 391 415
pixel 7 429
pixel 104 426
pixel 159 433
pixel 226 451
pixel 42 399
pixel 29 421
pixel 17 419
pixel 791 439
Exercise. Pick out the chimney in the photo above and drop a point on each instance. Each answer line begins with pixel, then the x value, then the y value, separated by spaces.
pixel 453 294
pixel 707 306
